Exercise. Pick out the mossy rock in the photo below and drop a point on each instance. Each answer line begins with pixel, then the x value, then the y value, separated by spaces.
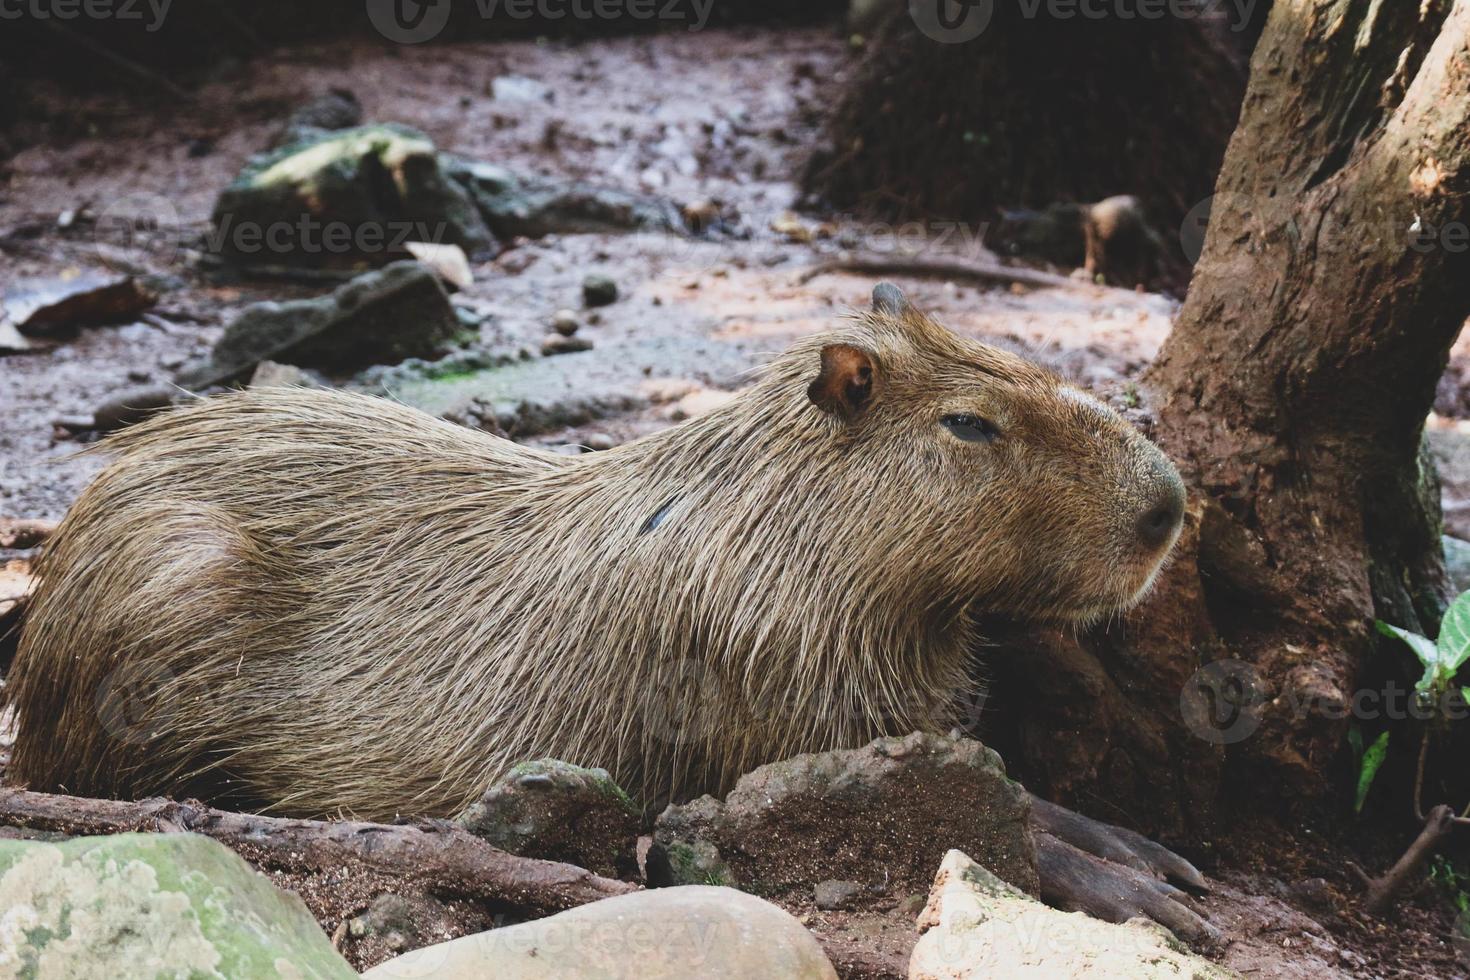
pixel 151 905
pixel 338 199
pixel 561 812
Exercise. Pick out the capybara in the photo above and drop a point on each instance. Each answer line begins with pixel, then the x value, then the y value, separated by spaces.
pixel 326 602
pixel 1111 239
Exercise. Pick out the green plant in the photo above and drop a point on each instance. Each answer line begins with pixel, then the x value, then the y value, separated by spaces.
pixel 1368 762
pixel 1441 659
pixel 1455 885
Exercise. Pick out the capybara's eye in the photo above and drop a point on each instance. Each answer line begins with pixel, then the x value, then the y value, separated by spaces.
pixel 971 428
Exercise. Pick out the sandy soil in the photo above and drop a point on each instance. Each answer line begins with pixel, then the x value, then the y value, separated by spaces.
pixel 720 115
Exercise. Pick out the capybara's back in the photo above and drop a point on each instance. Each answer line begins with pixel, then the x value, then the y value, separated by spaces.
pixel 324 602
pixel 184 598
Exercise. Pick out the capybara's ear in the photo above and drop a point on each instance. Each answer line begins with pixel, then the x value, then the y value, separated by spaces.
pixel 847 382
pixel 888 298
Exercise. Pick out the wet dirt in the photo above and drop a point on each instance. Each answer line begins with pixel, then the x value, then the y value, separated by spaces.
pixel 721 115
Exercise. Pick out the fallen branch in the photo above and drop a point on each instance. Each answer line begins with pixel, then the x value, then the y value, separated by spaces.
pixel 16 532
pixel 441 858
pixel 886 265
pixel 1382 892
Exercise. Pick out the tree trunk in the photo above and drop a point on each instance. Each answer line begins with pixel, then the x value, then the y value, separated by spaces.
pixel 1292 392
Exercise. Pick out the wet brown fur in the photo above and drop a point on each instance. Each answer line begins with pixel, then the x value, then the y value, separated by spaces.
pixel 339 604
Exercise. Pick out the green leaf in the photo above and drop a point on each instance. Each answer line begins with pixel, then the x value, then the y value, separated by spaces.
pixel 1454 635
pixel 1372 760
pixel 1424 648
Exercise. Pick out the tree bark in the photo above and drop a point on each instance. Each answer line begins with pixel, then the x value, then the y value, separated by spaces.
pixel 1292 392
pixel 1295 384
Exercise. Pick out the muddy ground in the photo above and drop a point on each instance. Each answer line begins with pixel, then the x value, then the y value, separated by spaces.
pixel 723 116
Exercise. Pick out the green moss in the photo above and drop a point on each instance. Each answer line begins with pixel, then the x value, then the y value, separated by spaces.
pixel 303 158
pixel 179 895
pixel 699 864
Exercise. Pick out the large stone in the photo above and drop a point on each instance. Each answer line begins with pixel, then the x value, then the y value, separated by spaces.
pixel 976 927
pixel 523 204
pixel 560 812
pixel 883 815
pixel 151 905
pixel 380 317
pixel 664 934
pixel 340 198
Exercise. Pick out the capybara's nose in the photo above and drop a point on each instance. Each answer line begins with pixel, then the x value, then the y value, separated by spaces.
pixel 1157 524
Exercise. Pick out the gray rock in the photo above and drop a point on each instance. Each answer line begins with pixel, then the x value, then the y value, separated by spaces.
pixel 887 812
pixel 152 905
pixel 599 291
pixel 335 199
pixel 397 312
pixel 976 926
pixel 514 204
pixel 560 344
pixel 831 895
pixel 560 812
pixel 663 934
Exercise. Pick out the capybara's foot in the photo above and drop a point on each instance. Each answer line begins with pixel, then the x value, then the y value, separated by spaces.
pixel 1114 874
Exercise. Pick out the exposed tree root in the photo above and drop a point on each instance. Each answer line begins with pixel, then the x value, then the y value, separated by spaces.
pixel 1382 892
pixel 439 857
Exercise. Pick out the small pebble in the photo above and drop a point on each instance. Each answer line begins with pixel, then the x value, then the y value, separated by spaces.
pixel 565 322
pixel 599 291
pixel 558 344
